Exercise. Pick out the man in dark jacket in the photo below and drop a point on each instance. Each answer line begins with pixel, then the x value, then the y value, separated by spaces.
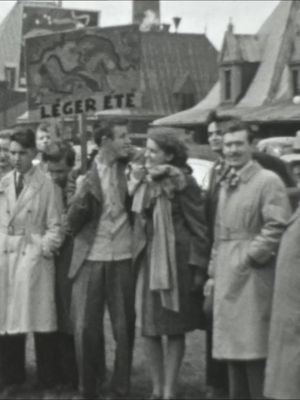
pixel 101 268
pixel 60 160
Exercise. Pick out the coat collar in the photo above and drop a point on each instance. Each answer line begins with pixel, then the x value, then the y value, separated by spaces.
pixel 34 181
pixel 248 171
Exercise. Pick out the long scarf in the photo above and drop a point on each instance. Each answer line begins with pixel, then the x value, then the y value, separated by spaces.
pixel 158 189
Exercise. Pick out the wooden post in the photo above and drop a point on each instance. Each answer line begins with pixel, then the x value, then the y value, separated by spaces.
pixel 83 141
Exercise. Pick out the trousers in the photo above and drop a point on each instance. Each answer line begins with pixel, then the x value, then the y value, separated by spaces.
pixel 246 379
pixel 12 355
pixel 96 285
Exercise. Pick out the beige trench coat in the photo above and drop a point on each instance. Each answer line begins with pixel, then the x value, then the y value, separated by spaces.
pixel 283 366
pixel 29 234
pixel 250 221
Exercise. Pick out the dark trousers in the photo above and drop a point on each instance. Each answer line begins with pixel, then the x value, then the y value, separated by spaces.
pixel 12 349
pixel 246 379
pixel 66 367
pixel 216 371
pixel 97 284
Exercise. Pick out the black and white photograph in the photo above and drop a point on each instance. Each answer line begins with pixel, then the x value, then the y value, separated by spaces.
pixel 150 199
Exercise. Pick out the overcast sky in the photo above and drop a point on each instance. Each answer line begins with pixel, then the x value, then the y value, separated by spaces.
pixel 197 15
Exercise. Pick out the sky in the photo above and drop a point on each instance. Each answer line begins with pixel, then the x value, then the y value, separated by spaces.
pixel 198 16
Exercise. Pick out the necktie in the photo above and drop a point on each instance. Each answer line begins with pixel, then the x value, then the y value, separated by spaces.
pixel 19 185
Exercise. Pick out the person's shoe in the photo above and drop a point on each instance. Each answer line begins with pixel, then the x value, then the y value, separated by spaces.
pixel 155 397
pixel 85 396
pixel 115 396
pixel 215 393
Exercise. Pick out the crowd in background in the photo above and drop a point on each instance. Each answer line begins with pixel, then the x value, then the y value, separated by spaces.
pixel 136 234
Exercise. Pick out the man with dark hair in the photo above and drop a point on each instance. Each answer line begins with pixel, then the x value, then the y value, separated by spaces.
pixel 29 236
pixel 216 371
pixel 60 159
pixel 252 213
pixel 101 268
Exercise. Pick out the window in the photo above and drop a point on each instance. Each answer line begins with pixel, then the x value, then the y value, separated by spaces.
pixel 10 77
pixel 187 100
pixel 295 82
pixel 227 84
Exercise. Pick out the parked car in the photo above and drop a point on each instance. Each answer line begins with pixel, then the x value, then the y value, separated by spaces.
pixel 276 146
pixel 293 161
pixel 201 171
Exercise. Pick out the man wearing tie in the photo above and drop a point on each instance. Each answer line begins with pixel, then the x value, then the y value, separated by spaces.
pixel 29 236
pixel 101 268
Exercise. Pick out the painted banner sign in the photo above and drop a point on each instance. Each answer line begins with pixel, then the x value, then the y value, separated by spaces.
pixel 83 71
pixel 40 20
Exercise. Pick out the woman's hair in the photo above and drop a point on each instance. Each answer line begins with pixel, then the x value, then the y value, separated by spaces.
pixel 169 143
pixel 58 151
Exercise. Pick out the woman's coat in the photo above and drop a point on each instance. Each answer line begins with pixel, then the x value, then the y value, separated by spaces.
pixel 29 235
pixel 251 218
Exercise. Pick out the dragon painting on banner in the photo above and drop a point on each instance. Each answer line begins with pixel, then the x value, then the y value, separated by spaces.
pixel 82 63
pixel 40 20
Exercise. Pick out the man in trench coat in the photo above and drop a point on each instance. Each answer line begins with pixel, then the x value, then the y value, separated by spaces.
pixel 29 236
pixel 252 214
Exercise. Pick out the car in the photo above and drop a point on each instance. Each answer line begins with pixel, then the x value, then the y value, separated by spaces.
pixel 201 171
pixel 293 162
pixel 276 146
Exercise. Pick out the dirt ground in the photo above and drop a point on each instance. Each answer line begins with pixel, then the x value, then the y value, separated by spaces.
pixel 190 386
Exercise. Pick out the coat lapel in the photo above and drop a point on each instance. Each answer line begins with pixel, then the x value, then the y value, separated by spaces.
pixel 32 186
pixel 94 183
pixel 8 186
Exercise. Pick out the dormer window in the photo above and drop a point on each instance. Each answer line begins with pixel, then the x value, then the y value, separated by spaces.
pixel 184 92
pixel 227 84
pixel 295 81
pixel 10 76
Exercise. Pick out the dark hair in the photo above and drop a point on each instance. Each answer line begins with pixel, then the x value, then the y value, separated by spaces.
pixel 44 126
pixel 58 151
pixel 171 145
pixel 105 129
pixel 214 116
pixel 235 125
pixel 25 138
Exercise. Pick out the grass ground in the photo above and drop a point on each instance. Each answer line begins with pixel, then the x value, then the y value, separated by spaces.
pixel 190 386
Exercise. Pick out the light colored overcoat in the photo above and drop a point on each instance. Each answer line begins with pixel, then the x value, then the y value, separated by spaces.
pixel 250 221
pixel 283 366
pixel 29 234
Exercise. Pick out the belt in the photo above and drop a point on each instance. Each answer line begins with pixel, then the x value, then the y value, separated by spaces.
pixel 227 236
pixel 12 231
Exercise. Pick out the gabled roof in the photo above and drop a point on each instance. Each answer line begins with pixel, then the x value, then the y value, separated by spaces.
pixel 240 48
pixel 168 58
pixel 271 83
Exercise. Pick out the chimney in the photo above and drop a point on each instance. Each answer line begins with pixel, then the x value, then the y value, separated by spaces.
pixel 176 21
pixel 230 27
pixel 140 7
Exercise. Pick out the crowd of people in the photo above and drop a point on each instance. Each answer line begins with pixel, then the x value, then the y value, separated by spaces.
pixel 137 235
